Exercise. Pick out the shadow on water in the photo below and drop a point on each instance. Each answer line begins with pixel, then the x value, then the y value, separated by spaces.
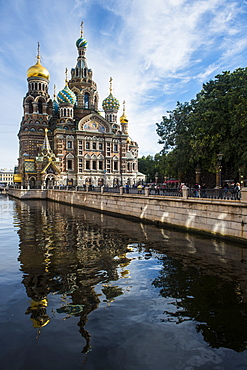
pixel 81 256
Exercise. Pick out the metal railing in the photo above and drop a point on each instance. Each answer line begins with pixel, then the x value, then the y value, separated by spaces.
pixel 230 194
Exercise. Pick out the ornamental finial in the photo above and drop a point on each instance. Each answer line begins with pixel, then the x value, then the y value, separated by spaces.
pixel 66 76
pixel 124 107
pixel 82 23
pixel 38 52
pixel 110 85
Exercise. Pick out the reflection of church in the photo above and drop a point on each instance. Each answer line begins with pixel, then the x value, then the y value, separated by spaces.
pixel 67 257
pixel 66 141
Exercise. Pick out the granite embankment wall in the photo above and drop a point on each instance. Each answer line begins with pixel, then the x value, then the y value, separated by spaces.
pixel 224 218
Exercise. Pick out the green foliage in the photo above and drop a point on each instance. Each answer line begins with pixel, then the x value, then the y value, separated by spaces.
pixel 215 122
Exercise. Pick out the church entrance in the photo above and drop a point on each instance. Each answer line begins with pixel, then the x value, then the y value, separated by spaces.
pixel 32 183
pixel 50 181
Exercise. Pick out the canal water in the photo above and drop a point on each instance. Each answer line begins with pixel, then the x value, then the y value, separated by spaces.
pixel 83 290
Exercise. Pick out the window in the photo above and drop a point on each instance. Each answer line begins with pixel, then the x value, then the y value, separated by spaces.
pixel 100 165
pixel 115 165
pixel 94 165
pixel 94 145
pixel 69 164
pixel 86 101
pixel 40 107
pixel 115 147
pixel 30 107
pixel 87 165
pixel 69 144
pixel 100 146
pixel 87 145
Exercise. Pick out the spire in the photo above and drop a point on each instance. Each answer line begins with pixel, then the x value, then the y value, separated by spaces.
pixel 46 148
pixel 54 93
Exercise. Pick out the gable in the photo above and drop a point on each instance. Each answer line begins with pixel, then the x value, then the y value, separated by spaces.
pixel 94 123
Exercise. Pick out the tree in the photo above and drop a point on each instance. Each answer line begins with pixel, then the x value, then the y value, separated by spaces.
pixel 215 122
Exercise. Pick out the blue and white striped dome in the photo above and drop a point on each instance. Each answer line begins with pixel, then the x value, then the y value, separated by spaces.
pixel 81 43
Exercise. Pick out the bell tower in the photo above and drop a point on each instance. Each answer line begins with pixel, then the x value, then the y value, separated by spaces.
pixel 37 106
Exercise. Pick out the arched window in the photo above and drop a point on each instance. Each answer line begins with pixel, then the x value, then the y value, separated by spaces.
pixel 40 107
pixel 86 100
pixel 30 106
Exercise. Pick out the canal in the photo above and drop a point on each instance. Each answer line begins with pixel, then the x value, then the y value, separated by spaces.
pixel 83 290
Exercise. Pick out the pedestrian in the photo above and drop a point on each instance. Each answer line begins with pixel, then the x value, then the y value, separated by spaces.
pixel 139 189
pixel 237 191
pixel 197 190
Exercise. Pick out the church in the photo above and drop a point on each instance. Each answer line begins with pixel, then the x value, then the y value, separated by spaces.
pixel 67 141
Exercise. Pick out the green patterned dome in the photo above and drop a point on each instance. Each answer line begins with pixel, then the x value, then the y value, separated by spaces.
pixel 81 43
pixel 110 103
pixel 66 96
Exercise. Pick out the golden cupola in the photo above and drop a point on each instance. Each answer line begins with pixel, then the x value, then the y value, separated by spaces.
pixel 124 121
pixel 38 70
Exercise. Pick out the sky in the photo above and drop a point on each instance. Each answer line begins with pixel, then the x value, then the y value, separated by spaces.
pixel 158 52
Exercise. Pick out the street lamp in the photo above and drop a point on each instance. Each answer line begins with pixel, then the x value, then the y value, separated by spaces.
pixel 220 156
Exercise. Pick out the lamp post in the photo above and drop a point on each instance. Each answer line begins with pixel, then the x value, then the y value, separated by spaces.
pixel 220 156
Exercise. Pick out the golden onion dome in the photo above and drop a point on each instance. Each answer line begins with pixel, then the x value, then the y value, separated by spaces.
pixel 123 119
pixel 38 70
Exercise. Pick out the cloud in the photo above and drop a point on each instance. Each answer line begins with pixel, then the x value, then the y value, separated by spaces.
pixel 158 52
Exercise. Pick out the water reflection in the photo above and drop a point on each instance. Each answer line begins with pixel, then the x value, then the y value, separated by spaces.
pixel 217 305
pixel 81 256
pixel 67 256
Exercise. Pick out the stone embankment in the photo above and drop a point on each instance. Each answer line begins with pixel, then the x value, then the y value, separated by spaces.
pixel 224 218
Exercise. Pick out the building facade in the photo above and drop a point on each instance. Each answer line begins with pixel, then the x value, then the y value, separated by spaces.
pixel 66 140
pixel 6 178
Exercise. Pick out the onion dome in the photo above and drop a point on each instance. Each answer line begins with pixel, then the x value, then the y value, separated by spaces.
pixel 110 103
pixel 66 96
pixel 123 118
pixel 81 42
pixel 38 70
